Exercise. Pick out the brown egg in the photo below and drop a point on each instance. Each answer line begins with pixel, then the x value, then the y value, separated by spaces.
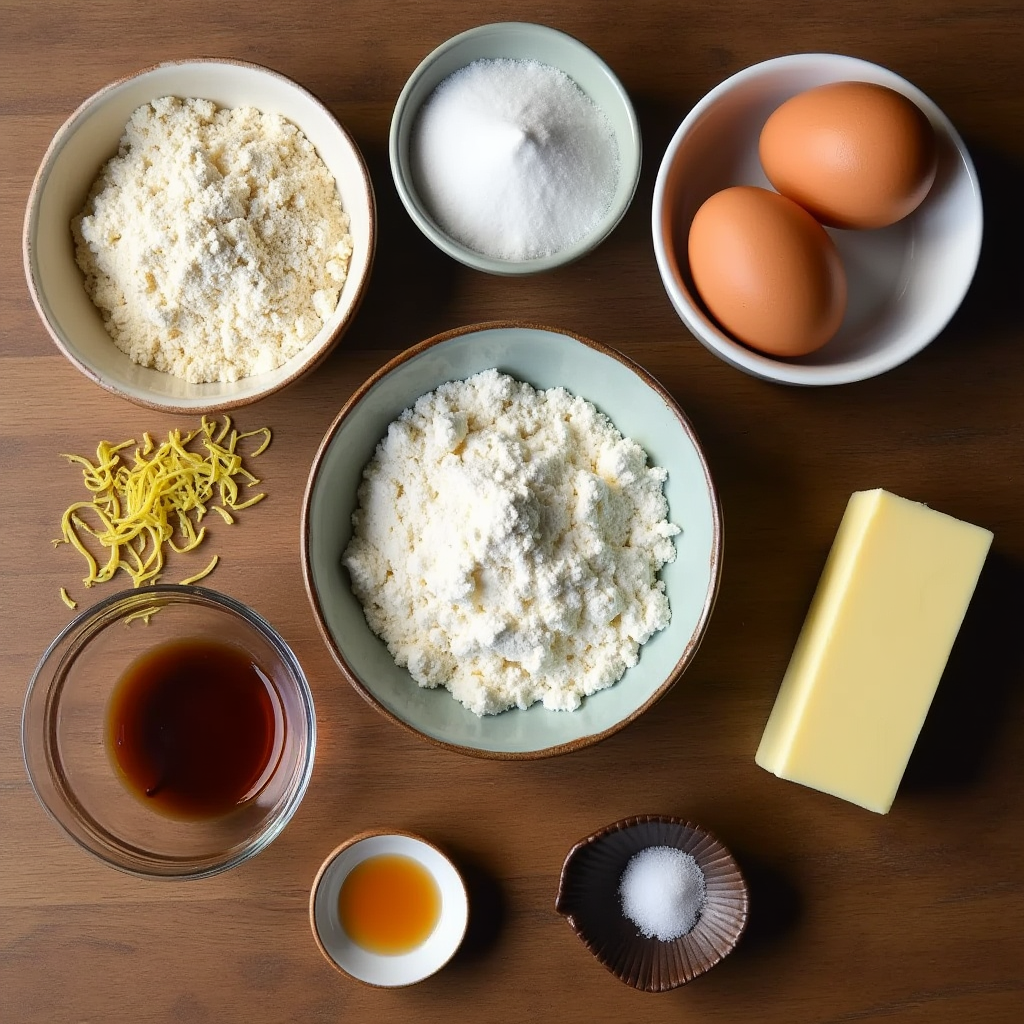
pixel 854 154
pixel 767 271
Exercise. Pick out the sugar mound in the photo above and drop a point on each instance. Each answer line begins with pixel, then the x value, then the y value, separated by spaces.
pixel 513 159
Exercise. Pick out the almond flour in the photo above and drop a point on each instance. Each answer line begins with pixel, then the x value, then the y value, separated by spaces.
pixel 215 243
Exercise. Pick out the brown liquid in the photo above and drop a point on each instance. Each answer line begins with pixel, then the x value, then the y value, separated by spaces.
pixel 192 727
pixel 389 904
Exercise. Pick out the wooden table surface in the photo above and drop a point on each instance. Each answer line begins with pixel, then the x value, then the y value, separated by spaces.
pixel 915 916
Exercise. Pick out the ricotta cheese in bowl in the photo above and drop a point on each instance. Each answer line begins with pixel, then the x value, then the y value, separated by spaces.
pixel 507 543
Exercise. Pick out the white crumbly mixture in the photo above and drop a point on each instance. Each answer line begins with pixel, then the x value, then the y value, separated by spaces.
pixel 507 543
pixel 214 243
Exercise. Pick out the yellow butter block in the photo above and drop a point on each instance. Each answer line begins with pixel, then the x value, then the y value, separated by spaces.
pixel 891 598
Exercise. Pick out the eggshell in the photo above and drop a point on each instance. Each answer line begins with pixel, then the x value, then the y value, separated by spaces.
pixel 854 154
pixel 767 271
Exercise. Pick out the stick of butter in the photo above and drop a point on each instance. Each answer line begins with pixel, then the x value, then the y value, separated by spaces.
pixel 891 598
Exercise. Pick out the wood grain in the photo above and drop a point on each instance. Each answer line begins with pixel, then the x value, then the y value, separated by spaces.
pixel 913 917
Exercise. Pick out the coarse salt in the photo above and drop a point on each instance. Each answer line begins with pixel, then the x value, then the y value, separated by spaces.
pixel 662 892
pixel 513 159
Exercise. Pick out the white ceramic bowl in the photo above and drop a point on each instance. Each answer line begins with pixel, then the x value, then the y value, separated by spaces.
pixel 72 163
pixel 905 281
pixel 517 41
pixel 373 968
pixel 639 407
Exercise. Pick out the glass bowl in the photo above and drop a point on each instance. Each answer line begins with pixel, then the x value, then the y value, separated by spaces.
pixel 84 784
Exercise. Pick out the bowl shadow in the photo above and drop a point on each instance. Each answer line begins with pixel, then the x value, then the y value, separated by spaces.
pixel 427 276
pixel 487 910
pixel 992 303
pixel 776 905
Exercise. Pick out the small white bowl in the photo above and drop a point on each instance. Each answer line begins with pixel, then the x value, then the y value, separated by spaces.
pixel 73 161
pixel 517 41
pixel 905 281
pixel 373 968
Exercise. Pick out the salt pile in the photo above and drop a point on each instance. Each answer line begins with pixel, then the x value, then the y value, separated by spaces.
pixel 662 892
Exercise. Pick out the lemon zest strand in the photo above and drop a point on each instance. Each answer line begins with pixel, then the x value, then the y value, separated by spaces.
pixel 206 572
pixel 143 613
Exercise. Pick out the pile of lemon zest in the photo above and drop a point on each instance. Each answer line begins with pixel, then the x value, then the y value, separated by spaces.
pixel 163 494
pixel 143 613
pixel 67 598
pixel 206 572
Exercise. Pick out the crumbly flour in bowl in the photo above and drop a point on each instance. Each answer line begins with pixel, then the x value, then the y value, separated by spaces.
pixel 506 545
pixel 215 243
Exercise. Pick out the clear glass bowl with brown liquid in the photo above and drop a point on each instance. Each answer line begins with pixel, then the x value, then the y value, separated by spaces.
pixel 174 744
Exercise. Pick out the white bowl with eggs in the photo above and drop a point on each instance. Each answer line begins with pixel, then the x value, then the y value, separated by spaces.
pixel 73 161
pixel 445 925
pixel 904 282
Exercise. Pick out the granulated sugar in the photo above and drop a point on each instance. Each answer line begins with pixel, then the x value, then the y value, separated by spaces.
pixel 513 159
pixel 662 892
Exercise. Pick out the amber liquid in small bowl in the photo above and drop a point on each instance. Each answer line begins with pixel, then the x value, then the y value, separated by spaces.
pixel 194 728
pixel 389 904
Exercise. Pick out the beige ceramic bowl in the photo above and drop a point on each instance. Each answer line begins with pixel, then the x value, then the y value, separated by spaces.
pixel 72 163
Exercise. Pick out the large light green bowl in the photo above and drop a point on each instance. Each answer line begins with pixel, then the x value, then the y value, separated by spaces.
pixel 639 406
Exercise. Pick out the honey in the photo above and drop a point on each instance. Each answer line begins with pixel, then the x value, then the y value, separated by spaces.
pixel 194 728
pixel 389 904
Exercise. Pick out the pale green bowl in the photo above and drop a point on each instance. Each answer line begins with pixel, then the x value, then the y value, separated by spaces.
pixel 639 407
pixel 517 40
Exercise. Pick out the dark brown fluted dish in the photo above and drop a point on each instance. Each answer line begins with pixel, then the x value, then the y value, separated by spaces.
pixel 588 897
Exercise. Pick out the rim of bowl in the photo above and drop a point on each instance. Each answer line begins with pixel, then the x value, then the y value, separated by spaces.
pixel 433 231
pixel 176 867
pixel 29 225
pixel 717 552
pixel 373 834
pixel 746 359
